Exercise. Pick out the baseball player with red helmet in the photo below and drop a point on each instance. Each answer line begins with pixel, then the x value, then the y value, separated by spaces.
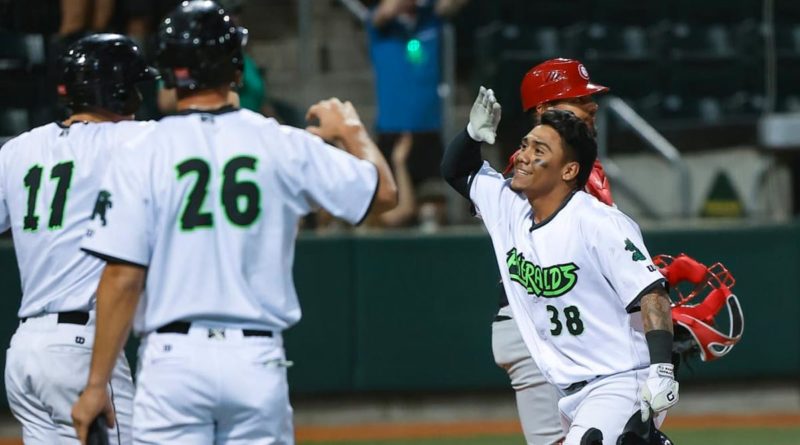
pixel 562 84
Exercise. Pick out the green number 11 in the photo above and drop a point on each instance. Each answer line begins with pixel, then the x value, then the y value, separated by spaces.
pixel 33 180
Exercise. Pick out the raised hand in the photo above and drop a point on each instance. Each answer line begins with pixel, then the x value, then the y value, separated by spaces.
pixel 484 117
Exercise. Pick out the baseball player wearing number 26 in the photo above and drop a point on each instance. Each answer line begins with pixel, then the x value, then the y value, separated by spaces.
pixel 589 303
pixel 205 212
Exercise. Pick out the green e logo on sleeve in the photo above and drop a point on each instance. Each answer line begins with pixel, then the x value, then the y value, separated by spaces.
pixel 637 254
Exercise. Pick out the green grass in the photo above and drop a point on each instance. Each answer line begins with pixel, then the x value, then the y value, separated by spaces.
pixel 742 436
pixel 488 440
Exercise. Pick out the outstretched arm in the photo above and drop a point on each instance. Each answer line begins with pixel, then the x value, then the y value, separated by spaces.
pixel 657 320
pixel 462 157
pixel 446 8
pixel 387 10
pixel 117 298
pixel 661 390
pixel 339 122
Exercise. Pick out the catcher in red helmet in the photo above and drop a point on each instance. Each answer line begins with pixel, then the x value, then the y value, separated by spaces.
pixel 560 83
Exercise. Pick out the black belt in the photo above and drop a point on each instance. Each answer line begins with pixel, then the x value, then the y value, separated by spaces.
pixel 71 317
pixel 575 387
pixel 182 327
pixel 501 318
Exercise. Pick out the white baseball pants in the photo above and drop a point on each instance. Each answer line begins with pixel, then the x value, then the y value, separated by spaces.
pixel 212 386
pixel 47 365
pixel 606 403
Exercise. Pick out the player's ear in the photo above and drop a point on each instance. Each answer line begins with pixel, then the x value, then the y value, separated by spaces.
pixel 570 171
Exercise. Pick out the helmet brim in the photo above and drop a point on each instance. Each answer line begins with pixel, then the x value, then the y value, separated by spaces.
pixel 592 88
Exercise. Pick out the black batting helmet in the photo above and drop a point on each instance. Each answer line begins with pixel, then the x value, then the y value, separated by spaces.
pixel 199 46
pixel 102 71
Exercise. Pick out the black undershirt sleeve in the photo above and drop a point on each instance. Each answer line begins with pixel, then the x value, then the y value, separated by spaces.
pixel 461 159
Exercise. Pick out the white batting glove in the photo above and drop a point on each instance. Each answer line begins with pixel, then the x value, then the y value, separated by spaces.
pixel 484 117
pixel 660 392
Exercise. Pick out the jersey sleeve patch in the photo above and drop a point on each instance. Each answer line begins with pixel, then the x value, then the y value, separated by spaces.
pixel 120 221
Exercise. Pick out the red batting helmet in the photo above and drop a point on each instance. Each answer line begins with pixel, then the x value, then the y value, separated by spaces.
pixel 712 291
pixel 556 79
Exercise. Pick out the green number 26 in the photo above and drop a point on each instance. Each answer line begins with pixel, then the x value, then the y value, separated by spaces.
pixel 241 200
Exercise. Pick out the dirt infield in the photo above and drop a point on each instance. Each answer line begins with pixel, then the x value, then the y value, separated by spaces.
pixel 389 431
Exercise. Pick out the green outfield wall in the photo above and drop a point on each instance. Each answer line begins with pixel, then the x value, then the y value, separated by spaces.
pixel 410 312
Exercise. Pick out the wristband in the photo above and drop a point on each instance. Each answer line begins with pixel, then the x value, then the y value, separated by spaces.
pixel 659 342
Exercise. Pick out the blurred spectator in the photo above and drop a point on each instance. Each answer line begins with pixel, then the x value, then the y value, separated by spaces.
pixel 406 205
pixel 78 18
pixel 81 16
pixel 143 17
pixel 404 46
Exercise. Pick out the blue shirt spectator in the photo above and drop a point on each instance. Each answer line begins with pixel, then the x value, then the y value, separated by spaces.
pixel 406 58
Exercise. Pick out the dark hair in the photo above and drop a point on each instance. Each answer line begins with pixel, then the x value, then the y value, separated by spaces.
pixel 576 137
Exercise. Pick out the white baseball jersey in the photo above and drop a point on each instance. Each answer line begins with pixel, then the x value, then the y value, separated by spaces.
pixel 210 204
pixel 49 178
pixel 571 280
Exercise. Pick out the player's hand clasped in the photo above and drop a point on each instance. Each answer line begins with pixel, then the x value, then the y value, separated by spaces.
pixel 484 117
pixel 660 392
pixel 93 401
pixel 337 119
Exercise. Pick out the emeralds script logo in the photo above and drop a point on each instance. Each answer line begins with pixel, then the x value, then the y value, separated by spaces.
pixel 547 282
pixel 637 254
pixel 102 204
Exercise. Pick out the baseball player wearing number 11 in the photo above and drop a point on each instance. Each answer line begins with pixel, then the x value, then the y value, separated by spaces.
pixel 49 179
pixel 588 301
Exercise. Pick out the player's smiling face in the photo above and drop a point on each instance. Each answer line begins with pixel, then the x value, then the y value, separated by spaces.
pixel 538 168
